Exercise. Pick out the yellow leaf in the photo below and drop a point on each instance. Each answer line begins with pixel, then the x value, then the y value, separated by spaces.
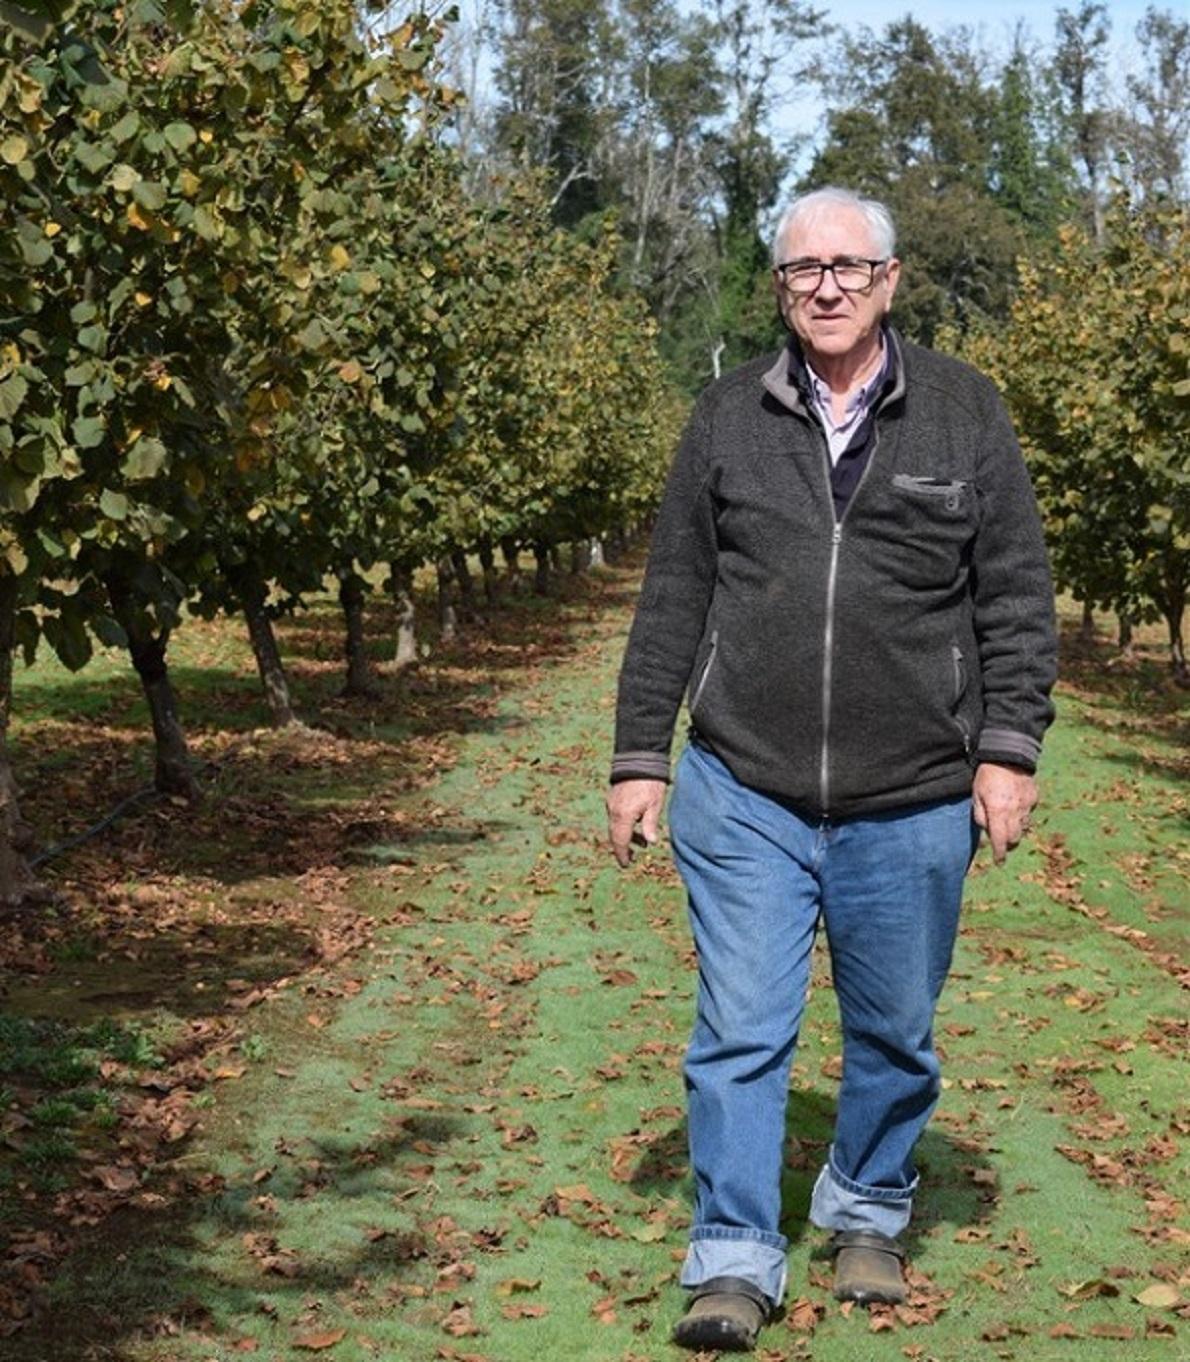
pixel 339 257
pixel 16 559
pixel 142 299
pixel 52 229
pixel 189 182
pixel 206 136
pixel 140 220
pixel 1162 1296
pixel 351 372
pixel 14 149
pixel 162 382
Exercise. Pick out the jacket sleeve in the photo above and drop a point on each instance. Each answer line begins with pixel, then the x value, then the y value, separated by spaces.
pixel 671 612
pixel 1013 600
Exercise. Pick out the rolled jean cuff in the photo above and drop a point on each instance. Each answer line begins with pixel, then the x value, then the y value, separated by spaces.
pixel 840 1204
pixel 723 1251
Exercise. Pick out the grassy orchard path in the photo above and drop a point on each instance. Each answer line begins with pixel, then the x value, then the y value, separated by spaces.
pixel 465 1141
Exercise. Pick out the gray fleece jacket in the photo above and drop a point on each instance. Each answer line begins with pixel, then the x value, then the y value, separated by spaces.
pixel 855 664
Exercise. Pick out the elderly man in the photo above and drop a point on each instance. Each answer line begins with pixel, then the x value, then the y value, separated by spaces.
pixel 848 580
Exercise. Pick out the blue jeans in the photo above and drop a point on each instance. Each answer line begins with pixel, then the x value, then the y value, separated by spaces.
pixel 758 874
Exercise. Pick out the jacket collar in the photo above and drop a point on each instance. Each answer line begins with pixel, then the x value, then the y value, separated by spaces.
pixel 789 381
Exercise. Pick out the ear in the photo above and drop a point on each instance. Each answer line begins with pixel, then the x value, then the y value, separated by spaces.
pixel 892 276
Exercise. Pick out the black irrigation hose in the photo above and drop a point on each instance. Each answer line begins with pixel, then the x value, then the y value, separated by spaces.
pixel 145 792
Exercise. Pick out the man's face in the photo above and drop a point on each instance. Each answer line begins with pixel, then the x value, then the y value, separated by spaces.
pixel 829 322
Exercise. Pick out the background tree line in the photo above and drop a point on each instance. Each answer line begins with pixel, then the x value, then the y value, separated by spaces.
pixel 1040 194
pixel 258 332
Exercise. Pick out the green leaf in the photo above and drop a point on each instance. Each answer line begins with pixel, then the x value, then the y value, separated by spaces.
pixel 12 393
pixel 34 27
pixel 312 336
pixel 95 157
pixel 206 224
pixel 114 505
pixel 126 127
pixel 69 639
pixel 144 460
pixel 78 374
pixel 180 135
pixel 35 247
pixel 88 431
pixel 108 632
pixel 149 194
pixel 83 312
pixel 93 337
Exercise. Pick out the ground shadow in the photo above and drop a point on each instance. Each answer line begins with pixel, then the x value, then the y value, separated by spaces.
pixel 146 1274
pixel 958 1186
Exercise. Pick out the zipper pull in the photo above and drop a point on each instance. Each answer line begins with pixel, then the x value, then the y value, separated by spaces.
pixel 838 533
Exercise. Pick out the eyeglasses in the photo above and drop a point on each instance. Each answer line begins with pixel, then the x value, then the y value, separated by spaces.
pixel 852 274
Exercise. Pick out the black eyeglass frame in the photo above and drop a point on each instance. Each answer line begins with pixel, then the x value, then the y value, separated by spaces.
pixel 833 265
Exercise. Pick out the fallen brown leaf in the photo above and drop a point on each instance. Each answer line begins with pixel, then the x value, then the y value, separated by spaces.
pixel 316 1343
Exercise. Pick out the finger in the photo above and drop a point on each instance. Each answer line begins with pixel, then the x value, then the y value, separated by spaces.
pixel 620 833
pixel 998 836
pixel 648 823
pixel 979 813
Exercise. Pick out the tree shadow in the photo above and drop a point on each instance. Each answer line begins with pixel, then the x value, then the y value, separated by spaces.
pixel 147 1272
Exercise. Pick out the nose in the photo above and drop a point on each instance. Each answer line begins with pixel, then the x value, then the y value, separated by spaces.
pixel 828 290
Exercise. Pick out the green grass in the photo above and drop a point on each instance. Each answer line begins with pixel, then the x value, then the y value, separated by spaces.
pixel 466 1139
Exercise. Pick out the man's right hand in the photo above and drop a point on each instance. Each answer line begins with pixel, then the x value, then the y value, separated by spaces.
pixel 630 802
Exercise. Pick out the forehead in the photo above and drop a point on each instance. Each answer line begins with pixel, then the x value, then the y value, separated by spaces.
pixel 829 231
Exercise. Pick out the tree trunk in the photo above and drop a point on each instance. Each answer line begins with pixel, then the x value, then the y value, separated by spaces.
pixel 487 561
pixel 360 678
pixel 541 578
pixel 579 554
pixel 447 620
pixel 1124 635
pixel 1173 610
pixel 512 561
pixel 173 772
pixel 1086 630
pixel 402 588
pixel 462 575
pixel 17 884
pixel 596 553
pixel 252 593
pixel 556 559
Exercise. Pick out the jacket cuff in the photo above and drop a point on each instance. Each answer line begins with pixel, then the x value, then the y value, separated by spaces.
pixel 1007 746
pixel 639 766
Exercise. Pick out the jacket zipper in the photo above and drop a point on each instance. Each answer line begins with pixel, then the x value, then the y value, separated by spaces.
pixel 706 671
pixel 960 686
pixel 828 641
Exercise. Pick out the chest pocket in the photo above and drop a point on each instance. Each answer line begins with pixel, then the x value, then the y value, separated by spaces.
pixel 928 522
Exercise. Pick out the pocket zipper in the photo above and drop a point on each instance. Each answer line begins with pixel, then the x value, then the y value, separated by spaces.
pixel 932 487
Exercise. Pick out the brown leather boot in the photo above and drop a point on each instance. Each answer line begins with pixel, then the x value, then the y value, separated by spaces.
pixel 725 1315
pixel 868 1268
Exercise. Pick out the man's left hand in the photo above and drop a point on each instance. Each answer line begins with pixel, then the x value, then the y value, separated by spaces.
pixel 1002 798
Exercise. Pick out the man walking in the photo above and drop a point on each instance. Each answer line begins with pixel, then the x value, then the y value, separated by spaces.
pixel 848 581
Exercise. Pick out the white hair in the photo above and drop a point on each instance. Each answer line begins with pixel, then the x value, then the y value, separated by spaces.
pixel 877 216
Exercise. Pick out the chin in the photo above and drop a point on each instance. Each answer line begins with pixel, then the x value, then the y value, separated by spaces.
pixel 833 342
